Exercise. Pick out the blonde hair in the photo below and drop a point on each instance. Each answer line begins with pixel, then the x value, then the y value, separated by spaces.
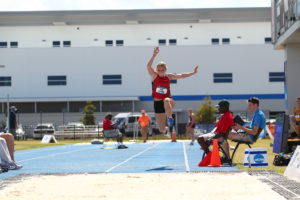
pixel 162 64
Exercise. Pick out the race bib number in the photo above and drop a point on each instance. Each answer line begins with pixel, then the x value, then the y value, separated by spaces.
pixel 161 90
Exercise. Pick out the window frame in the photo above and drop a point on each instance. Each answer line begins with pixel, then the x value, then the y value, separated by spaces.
pixel 56 43
pixel 109 43
pixel 3 44
pixel 224 41
pixel 215 41
pixel 162 42
pixel 223 77
pixel 5 81
pixel 56 80
pixel 276 77
pixel 173 42
pixel 112 79
pixel 14 44
pixel 119 43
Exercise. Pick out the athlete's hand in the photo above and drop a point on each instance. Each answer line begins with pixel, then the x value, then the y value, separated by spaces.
pixel 196 69
pixel 155 51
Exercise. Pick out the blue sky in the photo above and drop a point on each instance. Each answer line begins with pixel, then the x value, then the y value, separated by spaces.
pixel 33 5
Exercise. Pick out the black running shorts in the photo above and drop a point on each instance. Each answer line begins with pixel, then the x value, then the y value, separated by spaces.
pixel 159 107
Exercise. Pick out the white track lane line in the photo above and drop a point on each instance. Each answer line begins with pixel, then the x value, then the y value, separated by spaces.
pixel 132 157
pixel 43 149
pixel 52 155
pixel 187 166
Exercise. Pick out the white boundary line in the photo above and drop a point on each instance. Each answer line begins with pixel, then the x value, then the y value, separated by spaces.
pixel 132 157
pixel 283 187
pixel 187 166
pixel 55 154
pixel 42 149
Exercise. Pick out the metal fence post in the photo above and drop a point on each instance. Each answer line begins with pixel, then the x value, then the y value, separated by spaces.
pixel 98 131
pixel 74 133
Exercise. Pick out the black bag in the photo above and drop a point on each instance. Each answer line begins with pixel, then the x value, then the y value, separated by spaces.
pixel 281 160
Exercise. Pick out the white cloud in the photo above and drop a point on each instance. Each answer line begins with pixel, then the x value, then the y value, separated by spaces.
pixel 29 5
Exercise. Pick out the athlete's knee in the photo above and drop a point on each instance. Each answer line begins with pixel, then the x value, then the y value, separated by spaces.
pixel 167 100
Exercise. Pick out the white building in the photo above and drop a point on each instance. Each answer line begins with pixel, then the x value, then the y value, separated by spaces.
pixel 52 62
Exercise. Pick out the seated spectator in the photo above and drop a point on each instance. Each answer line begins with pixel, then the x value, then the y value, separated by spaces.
pixel 220 132
pixel 258 123
pixel 6 162
pixel 110 131
pixel 296 119
pixel 10 141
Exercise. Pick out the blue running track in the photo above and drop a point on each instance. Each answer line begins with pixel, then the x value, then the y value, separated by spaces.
pixel 152 157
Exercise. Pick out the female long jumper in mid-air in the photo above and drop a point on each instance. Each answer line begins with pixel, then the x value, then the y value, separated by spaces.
pixel 163 102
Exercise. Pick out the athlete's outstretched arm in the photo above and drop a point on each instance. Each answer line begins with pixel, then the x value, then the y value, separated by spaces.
pixel 151 71
pixel 184 75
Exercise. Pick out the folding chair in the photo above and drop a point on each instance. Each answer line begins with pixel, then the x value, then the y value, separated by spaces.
pixel 221 148
pixel 109 134
pixel 243 142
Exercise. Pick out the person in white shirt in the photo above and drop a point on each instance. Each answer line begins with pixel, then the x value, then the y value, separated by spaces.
pixel 6 162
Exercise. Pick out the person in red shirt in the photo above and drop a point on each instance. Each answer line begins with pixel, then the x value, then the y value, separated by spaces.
pixel 110 131
pixel 163 102
pixel 222 129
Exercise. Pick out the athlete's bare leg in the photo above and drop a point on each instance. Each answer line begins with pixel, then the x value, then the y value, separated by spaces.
pixel 169 105
pixel 192 134
pixel 161 121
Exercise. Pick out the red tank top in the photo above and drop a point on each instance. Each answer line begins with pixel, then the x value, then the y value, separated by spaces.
pixel 161 87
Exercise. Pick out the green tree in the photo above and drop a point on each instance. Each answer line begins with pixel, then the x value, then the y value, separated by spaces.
pixel 89 117
pixel 206 113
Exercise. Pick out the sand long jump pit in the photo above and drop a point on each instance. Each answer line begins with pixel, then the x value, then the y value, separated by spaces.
pixel 153 171
pixel 145 186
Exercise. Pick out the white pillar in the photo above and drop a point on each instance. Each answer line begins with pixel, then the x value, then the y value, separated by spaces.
pixel 100 106
pixel 133 108
pixel 292 71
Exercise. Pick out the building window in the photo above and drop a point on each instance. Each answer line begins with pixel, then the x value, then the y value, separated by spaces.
pixel 112 79
pixel 268 40
pixel 14 44
pixel 57 80
pixel 56 43
pixel 172 41
pixel 5 80
pixel 225 41
pixel 162 42
pixel 222 77
pixel 120 43
pixel 109 43
pixel 67 43
pixel 215 41
pixel 3 44
pixel 173 81
pixel 276 77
